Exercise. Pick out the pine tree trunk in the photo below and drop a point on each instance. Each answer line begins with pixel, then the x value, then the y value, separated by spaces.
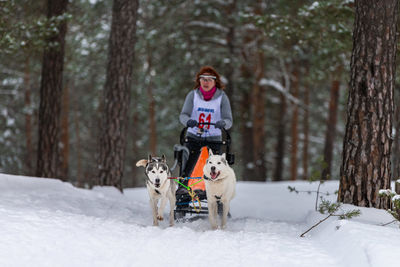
pixel 367 144
pixel 331 129
pixel 79 174
pixel 396 146
pixel 64 149
pixel 258 122
pixel 306 132
pixel 152 119
pixel 136 180
pixel 281 134
pixel 50 94
pixel 293 151
pixel 152 107
pixel 28 120
pixel 230 41
pixel 117 92
pixel 258 103
pixel 247 141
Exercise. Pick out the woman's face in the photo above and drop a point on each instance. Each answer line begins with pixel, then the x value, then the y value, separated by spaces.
pixel 207 83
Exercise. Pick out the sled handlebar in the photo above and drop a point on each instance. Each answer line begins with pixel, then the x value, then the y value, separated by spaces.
pixel 226 142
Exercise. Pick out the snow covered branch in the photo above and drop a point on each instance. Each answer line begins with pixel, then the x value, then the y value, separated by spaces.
pixel 209 25
pixel 279 87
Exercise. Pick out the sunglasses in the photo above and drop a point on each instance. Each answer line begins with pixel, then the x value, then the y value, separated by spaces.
pixel 207 78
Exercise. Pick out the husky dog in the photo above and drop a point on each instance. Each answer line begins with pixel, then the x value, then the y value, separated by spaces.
pixel 159 187
pixel 220 183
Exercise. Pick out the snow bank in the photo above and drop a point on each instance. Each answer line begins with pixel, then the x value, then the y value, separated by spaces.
pixel 46 222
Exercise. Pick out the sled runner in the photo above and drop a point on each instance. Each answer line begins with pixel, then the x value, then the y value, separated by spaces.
pixel 191 194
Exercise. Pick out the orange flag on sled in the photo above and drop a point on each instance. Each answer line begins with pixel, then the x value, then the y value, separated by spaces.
pixel 198 170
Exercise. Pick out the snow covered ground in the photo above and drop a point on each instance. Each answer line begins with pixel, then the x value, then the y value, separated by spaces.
pixel 45 222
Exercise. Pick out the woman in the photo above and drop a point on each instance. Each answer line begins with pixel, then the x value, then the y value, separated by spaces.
pixel 207 103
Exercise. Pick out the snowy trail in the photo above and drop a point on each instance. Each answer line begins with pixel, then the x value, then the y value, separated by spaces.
pixel 55 224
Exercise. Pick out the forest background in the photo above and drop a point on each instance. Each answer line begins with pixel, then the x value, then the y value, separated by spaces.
pixel 285 65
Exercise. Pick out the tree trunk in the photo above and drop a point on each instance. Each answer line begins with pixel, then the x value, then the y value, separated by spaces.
pixel 28 120
pixel 117 93
pixel 293 151
pixel 281 134
pixel 230 41
pixel 367 143
pixel 258 122
pixel 152 106
pixel 306 131
pixel 79 174
pixel 331 130
pixel 64 149
pixel 50 94
pixel 396 147
pixel 246 136
pixel 258 103
pixel 136 181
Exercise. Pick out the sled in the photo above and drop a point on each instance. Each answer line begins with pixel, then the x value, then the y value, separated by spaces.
pixel 191 197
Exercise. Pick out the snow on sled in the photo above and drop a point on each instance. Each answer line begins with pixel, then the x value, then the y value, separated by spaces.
pixel 191 195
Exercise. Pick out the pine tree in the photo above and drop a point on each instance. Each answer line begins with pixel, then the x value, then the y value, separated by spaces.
pixel 51 91
pixel 112 144
pixel 367 144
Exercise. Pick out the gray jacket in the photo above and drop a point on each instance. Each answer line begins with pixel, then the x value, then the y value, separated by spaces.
pixel 226 112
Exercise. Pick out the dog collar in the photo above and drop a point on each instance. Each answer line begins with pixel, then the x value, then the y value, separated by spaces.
pixel 207 178
pixel 156 190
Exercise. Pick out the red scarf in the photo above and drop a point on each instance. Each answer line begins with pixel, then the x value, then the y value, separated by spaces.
pixel 208 94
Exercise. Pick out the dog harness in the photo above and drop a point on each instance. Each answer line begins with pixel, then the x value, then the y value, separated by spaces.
pixel 192 194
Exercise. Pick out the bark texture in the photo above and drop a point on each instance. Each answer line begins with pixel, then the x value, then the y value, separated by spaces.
pixel 50 94
pixel 294 130
pixel 117 93
pixel 367 144
pixel 281 144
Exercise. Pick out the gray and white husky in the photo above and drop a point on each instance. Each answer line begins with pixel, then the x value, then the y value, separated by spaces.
pixel 220 183
pixel 159 187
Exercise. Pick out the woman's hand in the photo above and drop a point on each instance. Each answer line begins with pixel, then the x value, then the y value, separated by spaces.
pixel 220 124
pixel 191 123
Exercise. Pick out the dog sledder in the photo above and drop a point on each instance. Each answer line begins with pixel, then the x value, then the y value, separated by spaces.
pixel 206 182
pixel 191 196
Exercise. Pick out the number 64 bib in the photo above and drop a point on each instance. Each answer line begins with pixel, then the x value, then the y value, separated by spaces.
pixel 206 111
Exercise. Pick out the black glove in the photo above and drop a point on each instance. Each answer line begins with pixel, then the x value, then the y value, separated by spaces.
pixel 220 124
pixel 191 123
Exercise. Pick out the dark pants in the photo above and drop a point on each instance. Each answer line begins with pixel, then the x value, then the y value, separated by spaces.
pixel 194 147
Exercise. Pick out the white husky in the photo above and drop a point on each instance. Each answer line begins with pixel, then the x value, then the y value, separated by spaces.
pixel 220 183
pixel 159 187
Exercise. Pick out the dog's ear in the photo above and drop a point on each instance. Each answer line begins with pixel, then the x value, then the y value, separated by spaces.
pixel 149 158
pixel 163 159
pixel 142 163
pixel 210 153
pixel 223 155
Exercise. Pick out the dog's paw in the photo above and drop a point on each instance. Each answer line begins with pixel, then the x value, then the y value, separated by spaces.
pixel 160 217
